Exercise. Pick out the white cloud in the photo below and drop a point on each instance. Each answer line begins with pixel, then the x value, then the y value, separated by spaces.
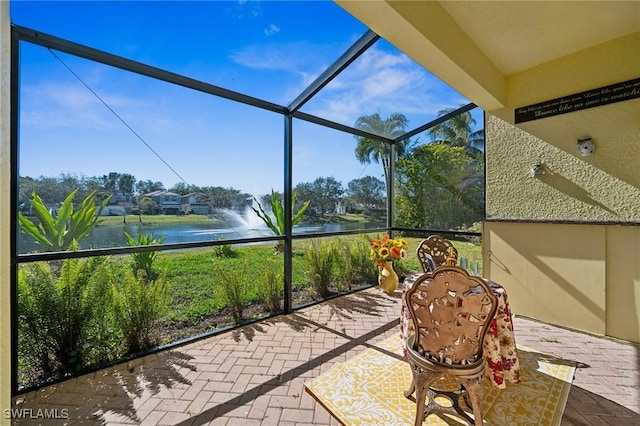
pixel 246 10
pixel 301 61
pixel 53 104
pixel 374 58
pixel 304 153
pixel 383 82
pixel 272 29
pixel 294 57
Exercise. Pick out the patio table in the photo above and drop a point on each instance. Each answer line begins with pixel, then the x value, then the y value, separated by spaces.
pixel 499 345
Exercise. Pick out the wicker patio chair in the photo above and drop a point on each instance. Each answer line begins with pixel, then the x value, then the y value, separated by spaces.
pixel 434 251
pixel 451 312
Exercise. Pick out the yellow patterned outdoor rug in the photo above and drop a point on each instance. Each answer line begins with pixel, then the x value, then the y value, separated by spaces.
pixel 369 390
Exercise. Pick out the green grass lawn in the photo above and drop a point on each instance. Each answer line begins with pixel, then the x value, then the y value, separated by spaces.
pixel 158 219
pixel 195 280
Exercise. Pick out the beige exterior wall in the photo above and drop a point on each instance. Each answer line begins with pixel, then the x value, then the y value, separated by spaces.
pixel 600 187
pixel 5 224
pixel 623 283
pixel 585 276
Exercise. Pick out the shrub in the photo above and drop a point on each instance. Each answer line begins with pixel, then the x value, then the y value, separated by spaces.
pixel 277 208
pixel 320 257
pixel 144 259
pixel 65 320
pixel 342 274
pixel 64 317
pixel 225 250
pixel 142 296
pixel 140 302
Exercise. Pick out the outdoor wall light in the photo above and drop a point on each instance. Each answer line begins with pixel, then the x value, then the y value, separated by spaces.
pixel 537 170
pixel 586 146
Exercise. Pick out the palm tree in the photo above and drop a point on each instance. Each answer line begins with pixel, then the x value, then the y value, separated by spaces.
pixel 458 131
pixel 375 150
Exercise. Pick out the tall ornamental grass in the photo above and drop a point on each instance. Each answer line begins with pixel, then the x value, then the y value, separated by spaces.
pixel 320 257
pixel 271 288
pixel 357 265
pixel 234 289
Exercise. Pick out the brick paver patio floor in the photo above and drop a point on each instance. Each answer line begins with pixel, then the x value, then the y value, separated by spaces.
pixel 254 375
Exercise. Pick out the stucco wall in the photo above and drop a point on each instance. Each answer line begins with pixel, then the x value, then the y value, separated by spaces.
pixel 585 276
pixel 531 261
pixel 566 244
pixel 603 187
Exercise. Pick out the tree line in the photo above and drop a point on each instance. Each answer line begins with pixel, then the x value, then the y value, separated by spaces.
pixel 438 184
pixel 325 192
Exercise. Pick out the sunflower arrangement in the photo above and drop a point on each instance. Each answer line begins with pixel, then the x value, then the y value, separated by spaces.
pixel 385 249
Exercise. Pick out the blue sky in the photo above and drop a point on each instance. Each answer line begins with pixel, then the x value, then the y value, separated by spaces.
pixel 269 50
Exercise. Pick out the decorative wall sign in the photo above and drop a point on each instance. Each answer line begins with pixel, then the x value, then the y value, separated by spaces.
pixel 591 98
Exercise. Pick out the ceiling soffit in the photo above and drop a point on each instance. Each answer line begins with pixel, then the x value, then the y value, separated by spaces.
pixel 520 35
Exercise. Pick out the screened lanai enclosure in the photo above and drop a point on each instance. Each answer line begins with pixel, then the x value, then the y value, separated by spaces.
pixel 235 165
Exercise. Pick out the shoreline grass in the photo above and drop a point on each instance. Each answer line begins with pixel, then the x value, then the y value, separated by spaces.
pixel 212 219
